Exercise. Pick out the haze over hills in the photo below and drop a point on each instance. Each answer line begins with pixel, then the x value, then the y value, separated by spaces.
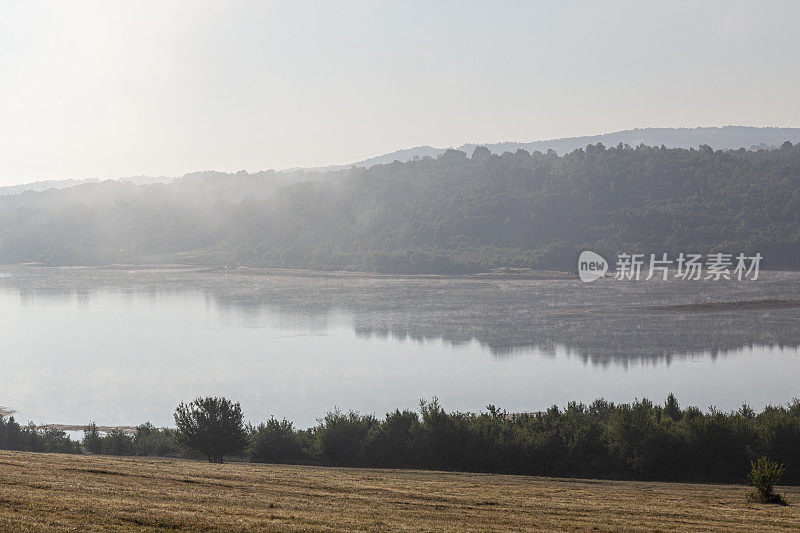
pixel 457 212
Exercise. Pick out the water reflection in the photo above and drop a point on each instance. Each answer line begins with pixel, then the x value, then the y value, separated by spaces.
pixel 602 323
pixel 124 346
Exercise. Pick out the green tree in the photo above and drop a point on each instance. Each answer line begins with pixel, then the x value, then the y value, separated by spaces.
pixel 92 441
pixel 211 426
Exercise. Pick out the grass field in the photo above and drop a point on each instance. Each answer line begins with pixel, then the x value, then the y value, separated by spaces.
pixel 93 493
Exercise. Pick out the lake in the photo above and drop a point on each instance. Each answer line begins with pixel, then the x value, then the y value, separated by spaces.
pixel 121 346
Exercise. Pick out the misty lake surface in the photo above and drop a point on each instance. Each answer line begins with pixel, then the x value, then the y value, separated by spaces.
pixel 121 346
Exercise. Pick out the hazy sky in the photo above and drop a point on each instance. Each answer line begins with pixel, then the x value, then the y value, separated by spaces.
pixel 109 89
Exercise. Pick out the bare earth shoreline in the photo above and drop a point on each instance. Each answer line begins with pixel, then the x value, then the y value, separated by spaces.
pixel 53 492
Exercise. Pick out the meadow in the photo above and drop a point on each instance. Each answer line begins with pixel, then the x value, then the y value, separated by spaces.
pixel 59 492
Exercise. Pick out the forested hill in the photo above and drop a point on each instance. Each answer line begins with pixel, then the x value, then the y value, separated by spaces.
pixel 454 213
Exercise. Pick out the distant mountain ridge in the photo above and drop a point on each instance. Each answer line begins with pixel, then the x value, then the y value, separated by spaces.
pixel 718 138
pixel 45 185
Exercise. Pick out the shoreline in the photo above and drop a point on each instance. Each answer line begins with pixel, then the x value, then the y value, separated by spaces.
pixel 501 273
pixel 497 273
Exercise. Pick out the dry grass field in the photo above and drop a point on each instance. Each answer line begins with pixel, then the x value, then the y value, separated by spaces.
pixel 50 492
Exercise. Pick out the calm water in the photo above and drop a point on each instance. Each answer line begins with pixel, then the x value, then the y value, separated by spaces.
pixel 125 346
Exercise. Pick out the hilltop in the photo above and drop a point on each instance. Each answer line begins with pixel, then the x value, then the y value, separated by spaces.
pixel 718 138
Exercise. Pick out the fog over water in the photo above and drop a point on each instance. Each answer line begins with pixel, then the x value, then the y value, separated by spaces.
pixel 122 346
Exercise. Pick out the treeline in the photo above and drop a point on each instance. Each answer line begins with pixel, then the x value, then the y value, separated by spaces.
pixel 452 214
pixel 641 440
pixel 145 440
pixel 29 438
pixel 602 440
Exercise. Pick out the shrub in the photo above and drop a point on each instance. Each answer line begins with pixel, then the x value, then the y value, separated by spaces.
pixel 764 474
pixel 150 440
pixel 274 442
pixel 55 441
pixel 443 436
pixel 390 442
pixel 117 442
pixel 341 436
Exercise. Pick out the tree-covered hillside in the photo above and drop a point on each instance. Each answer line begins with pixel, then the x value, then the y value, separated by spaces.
pixel 454 213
